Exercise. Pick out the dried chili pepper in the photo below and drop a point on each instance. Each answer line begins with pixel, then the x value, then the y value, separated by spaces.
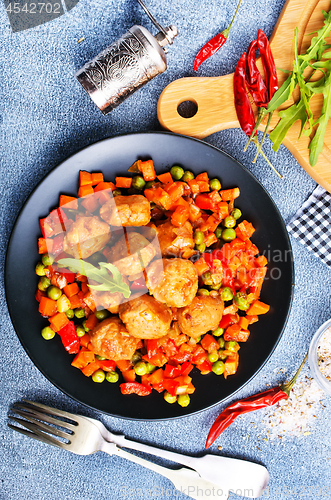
pixel 268 62
pixel 252 403
pixel 242 104
pixel 214 44
pixel 254 80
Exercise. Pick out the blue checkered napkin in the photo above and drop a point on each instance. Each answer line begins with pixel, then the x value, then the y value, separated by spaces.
pixel 311 225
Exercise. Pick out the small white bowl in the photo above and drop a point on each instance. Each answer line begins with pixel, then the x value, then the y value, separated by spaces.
pixel 313 358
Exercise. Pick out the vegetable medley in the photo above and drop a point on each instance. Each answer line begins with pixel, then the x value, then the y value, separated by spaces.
pixel 150 278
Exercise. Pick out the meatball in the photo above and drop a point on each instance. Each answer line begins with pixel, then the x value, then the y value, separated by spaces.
pixel 145 318
pixel 203 314
pixel 108 300
pixel 176 241
pixel 131 254
pixel 172 281
pixel 132 210
pixel 86 236
pixel 111 340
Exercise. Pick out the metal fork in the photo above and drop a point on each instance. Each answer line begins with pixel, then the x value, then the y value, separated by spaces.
pixel 86 435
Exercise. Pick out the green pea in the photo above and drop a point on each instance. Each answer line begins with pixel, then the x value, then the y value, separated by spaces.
pixel 236 213
pixel 98 376
pixel 221 341
pixel 102 314
pixel 218 367
pixel 232 346
pixel 222 355
pixel 207 279
pixel 47 259
pixel 183 400
pixel 218 232
pixel 188 176
pixel 84 325
pixel 100 358
pixel 201 248
pixel 44 283
pixel 169 398
pixel 227 294
pixel 216 286
pixel 80 331
pixel 241 300
pixel 150 368
pixel 117 192
pixel 140 368
pixel 138 182
pixel 54 292
pixel 79 313
pixel 40 269
pixel 215 184
pixel 229 221
pixel 203 291
pixel 199 237
pixel 228 234
pixel 213 356
pixel 176 172
pixel 70 313
pixel 135 358
pixel 149 184
pixel 218 332
pixel 47 333
pixel 112 377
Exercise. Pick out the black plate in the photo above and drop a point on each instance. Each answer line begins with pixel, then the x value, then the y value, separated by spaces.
pixel 114 156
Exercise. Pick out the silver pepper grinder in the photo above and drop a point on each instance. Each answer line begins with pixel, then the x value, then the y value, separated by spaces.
pixel 126 65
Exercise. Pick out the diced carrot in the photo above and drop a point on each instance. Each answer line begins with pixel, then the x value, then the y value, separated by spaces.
pixel 71 289
pixel 156 377
pixel 123 182
pixel 68 201
pixel 147 169
pixel 201 266
pixel 123 365
pixel 47 306
pixel 85 288
pixel 91 321
pixel 252 319
pixel 195 212
pixel 244 230
pixel 58 321
pixel 210 239
pixel 91 203
pixel 46 226
pixel 257 308
pixel 39 294
pixel 231 365
pixel 85 178
pixel 210 224
pixel 83 358
pixel 232 331
pixel 85 190
pixel 244 322
pixel 91 368
pixel 175 190
pixel 203 186
pixel 261 261
pixel 101 186
pixel 89 300
pixel 165 178
pixel 97 177
pixel 158 196
pixel 215 197
pixel 81 277
pixel 209 343
pixel 223 209
pixel 230 194
pixel 129 375
pixel 75 302
pixel 104 196
pixel 202 177
pixel 45 245
pixel 180 202
pixel 180 216
pixel 194 186
pixel 85 340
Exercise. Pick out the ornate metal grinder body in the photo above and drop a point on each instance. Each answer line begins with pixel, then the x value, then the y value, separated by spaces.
pixel 126 65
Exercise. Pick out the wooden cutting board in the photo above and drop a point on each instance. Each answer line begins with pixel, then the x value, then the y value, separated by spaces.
pixel 213 96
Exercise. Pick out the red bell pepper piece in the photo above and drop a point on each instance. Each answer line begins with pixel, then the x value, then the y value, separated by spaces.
pixel 227 320
pixel 186 368
pixel 135 388
pixel 108 365
pixel 171 385
pixel 172 371
pixel 204 202
pixel 169 348
pixel 69 338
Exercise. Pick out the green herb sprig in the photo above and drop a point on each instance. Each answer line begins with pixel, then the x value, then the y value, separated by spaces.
pixel 100 275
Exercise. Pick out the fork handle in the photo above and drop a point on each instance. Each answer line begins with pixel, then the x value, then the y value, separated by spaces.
pixel 186 481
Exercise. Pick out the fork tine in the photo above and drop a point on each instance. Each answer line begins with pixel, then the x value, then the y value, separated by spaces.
pixel 42 416
pixel 41 425
pixel 35 432
pixel 53 411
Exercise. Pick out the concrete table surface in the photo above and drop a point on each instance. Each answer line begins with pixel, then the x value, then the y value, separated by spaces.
pixel 45 117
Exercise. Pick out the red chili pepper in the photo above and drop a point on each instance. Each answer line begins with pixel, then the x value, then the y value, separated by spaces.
pixel 268 62
pixel 254 80
pixel 243 106
pixel 214 44
pixel 252 403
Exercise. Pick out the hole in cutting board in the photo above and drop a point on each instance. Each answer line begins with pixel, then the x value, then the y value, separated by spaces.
pixel 187 109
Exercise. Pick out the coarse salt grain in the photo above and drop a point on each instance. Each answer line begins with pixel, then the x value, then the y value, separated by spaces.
pixel 324 354
pixel 296 415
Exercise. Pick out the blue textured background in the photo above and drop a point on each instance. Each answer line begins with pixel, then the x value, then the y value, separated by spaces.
pixel 46 116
